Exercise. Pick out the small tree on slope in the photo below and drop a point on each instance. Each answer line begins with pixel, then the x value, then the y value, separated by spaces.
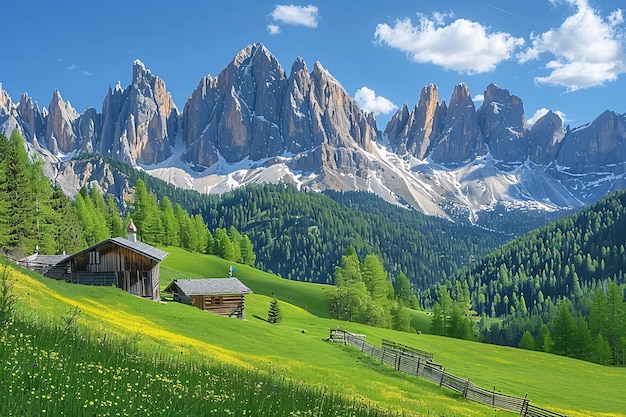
pixel 274 315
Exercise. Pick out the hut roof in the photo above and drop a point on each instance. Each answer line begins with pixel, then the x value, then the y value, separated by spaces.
pixel 41 261
pixel 142 248
pixel 216 286
pixel 138 247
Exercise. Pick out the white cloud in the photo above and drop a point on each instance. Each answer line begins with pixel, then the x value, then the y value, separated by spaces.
pixel 87 73
pixel 296 15
pixel 273 29
pixel 541 112
pixel 367 99
pixel 72 67
pixel 587 50
pixel 463 46
pixel 478 98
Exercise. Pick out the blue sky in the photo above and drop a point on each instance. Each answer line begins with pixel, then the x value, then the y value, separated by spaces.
pixel 564 55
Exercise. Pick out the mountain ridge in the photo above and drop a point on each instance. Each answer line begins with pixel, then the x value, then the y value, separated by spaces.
pixel 254 123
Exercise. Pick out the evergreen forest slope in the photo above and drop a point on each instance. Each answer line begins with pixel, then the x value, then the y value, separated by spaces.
pixel 301 235
pixel 572 259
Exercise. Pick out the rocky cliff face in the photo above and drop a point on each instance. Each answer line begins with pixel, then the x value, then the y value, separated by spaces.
pixel 598 147
pixel 545 139
pixel 460 140
pixel 255 123
pixel 139 123
pixel 253 110
pixel 503 125
pixel 33 121
pixel 415 132
pixel 60 136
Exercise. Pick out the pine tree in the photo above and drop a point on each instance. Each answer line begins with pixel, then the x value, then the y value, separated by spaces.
pixel 274 314
pixel 21 222
pixel 69 236
pixel 247 251
pixel 223 245
pixel 116 226
pixel 403 293
pixel 527 341
pixel 171 230
pixel 400 318
pixel 564 331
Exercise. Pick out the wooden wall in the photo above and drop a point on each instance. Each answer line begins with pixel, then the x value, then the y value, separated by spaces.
pixel 231 305
pixel 128 270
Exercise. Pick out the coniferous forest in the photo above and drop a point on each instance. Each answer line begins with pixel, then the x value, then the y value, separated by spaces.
pixel 37 217
pixel 559 288
pixel 302 235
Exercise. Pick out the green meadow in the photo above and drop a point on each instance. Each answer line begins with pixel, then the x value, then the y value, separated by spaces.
pixel 296 354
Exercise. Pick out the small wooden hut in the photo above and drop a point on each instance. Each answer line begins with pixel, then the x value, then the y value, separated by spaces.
pixel 126 263
pixel 223 296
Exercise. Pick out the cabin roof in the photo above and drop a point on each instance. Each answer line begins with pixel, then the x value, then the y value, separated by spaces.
pixel 37 260
pixel 215 286
pixel 138 247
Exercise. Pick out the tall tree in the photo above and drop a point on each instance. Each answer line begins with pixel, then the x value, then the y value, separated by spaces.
pixel 22 228
pixel 564 331
pixel 403 292
pixel 223 245
pixel 274 314
pixel 171 229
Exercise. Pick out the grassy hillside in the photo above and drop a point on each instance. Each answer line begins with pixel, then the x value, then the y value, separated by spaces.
pixel 569 386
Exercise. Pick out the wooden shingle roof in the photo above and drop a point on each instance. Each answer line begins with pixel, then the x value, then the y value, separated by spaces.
pixel 213 286
pixel 141 248
pixel 138 247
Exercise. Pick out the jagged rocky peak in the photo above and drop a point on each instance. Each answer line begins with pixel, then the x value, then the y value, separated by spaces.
pixel 253 110
pixel 139 123
pixel 298 65
pixel 60 135
pixel 415 132
pixel 545 138
pixel 460 140
pixel 503 124
pixel 9 118
pixel 428 119
pixel 344 123
pixel 33 121
pixel 6 104
pixel 597 147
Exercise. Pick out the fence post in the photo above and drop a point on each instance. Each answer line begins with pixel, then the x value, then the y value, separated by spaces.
pixel 362 345
pixel 493 398
pixel 399 357
pixel 524 409
pixel 443 373
pixel 466 388
pixel 417 369
pixel 382 358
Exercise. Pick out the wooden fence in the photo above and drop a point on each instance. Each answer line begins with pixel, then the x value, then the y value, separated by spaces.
pixel 422 365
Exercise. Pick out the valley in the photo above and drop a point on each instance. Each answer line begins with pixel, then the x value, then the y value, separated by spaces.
pixel 284 350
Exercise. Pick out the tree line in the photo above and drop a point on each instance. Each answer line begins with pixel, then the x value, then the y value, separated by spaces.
pixel 36 216
pixel 561 286
pixel 365 294
pixel 299 234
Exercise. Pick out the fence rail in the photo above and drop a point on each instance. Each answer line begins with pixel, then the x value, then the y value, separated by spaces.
pixel 420 363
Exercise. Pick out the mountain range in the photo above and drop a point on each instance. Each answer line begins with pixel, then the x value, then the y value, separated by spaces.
pixel 254 123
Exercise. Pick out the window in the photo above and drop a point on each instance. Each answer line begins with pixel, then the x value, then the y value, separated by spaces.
pixel 94 258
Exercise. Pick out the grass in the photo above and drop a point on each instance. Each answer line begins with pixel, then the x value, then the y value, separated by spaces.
pixel 296 349
pixel 183 264
pixel 62 370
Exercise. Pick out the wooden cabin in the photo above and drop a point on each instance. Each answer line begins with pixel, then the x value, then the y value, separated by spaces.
pixel 125 263
pixel 223 296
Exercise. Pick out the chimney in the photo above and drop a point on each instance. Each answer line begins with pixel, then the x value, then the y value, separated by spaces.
pixel 132 231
